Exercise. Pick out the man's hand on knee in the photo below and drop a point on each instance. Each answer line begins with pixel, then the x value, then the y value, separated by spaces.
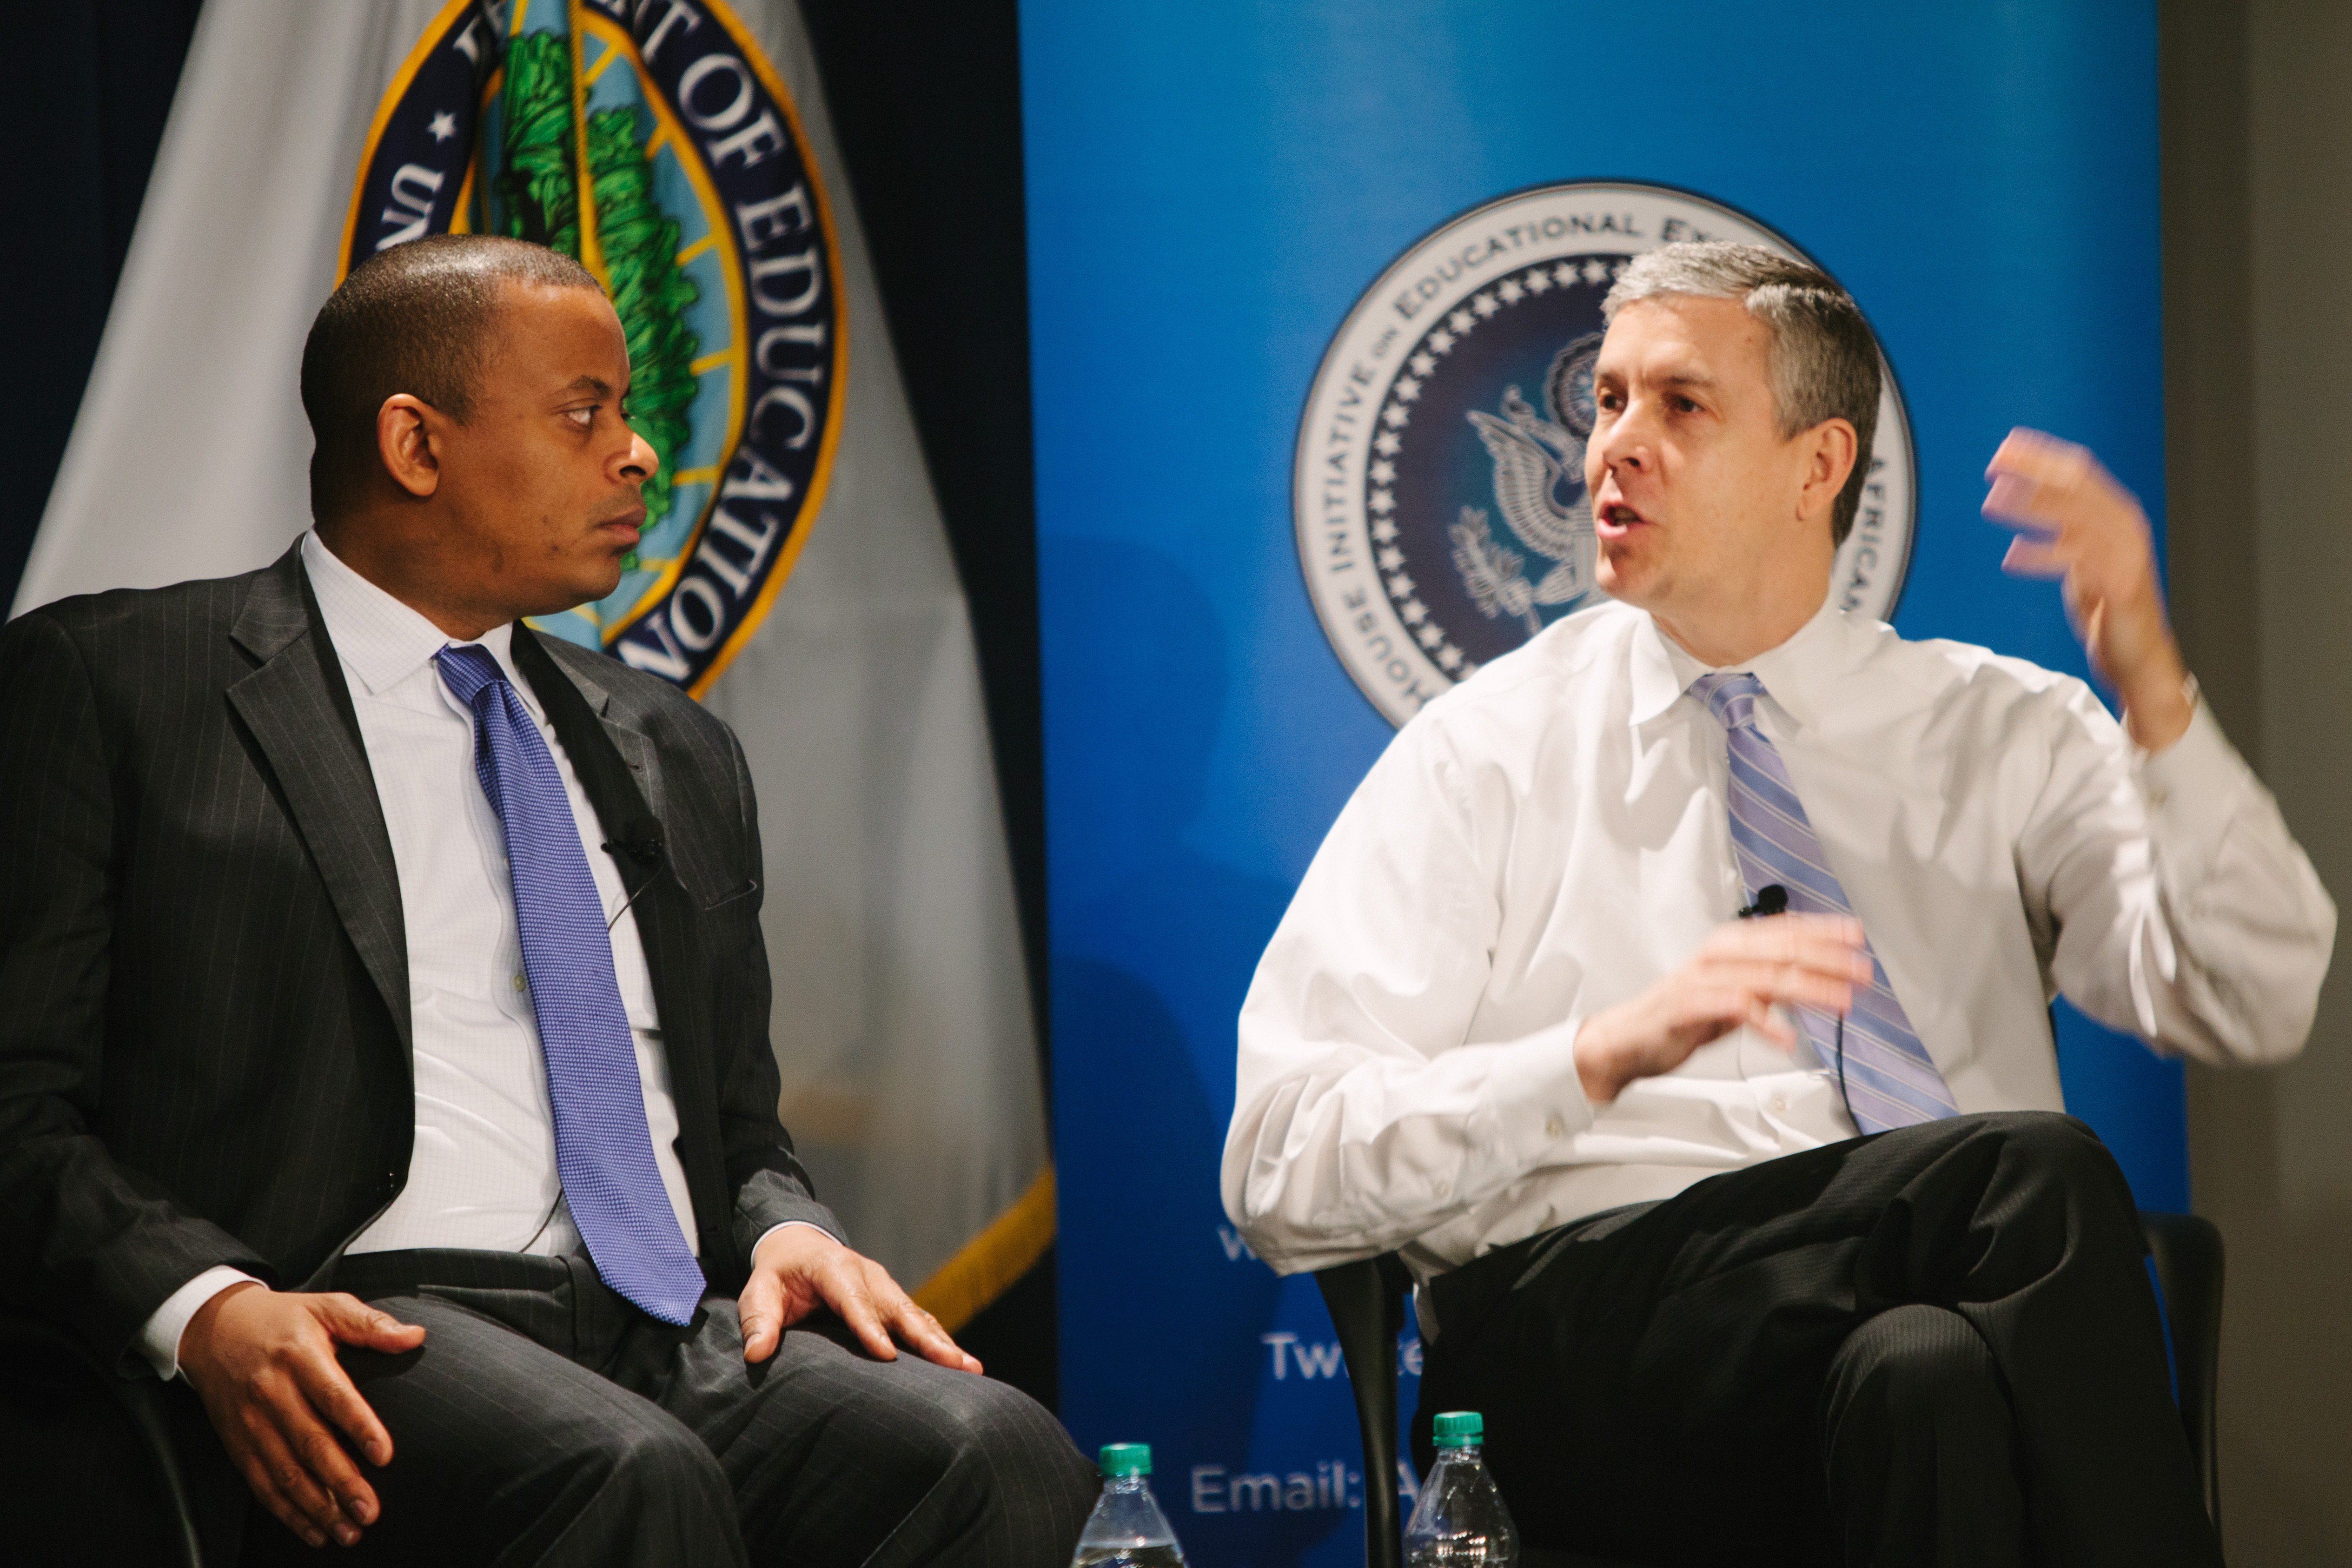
pixel 1741 972
pixel 799 1268
pixel 263 1364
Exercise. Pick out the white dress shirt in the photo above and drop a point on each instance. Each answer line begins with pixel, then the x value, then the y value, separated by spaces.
pixel 482 1175
pixel 1551 837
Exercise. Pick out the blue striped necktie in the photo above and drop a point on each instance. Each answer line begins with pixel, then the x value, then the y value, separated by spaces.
pixel 1889 1079
pixel 603 1152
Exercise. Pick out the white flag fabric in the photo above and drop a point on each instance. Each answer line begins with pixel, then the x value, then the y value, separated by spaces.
pixel 795 575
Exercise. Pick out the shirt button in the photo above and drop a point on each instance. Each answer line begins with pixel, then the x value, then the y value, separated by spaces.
pixel 1780 1104
pixel 1552 1127
pixel 2159 798
pixel 519 981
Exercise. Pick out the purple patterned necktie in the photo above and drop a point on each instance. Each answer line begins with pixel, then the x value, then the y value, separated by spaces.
pixel 1889 1079
pixel 603 1152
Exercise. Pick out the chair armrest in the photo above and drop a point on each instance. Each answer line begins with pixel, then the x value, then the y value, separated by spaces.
pixel 2187 1252
pixel 1366 1300
pixel 29 1341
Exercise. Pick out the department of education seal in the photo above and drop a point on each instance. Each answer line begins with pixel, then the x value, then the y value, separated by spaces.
pixel 651 141
pixel 1438 486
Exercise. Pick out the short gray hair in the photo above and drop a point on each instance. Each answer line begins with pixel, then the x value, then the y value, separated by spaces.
pixel 1824 358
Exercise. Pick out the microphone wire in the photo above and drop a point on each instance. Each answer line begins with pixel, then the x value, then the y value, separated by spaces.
pixel 1768 901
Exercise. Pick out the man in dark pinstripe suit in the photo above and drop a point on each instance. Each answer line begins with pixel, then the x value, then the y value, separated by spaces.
pixel 270 1118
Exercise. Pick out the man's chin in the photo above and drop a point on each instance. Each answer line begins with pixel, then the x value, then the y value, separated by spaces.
pixel 1622 578
pixel 586 589
pixel 603 586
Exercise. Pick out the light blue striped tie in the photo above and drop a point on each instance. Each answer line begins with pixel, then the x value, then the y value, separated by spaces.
pixel 1889 1079
pixel 603 1149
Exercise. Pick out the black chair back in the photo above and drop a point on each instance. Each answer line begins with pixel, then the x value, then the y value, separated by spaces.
pixel 40 1366
pixel 2186 1249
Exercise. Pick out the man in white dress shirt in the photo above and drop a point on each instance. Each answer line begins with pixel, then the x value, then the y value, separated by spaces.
pixel 419 960
pixel 1511 1026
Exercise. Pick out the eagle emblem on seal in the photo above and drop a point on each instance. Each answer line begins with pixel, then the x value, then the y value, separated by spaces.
pixel 1539 491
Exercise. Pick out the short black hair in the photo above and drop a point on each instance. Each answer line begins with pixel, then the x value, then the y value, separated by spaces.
pixel 416 319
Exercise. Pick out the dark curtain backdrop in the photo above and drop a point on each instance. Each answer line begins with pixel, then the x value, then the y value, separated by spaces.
pixel 926 97
pixel 91 80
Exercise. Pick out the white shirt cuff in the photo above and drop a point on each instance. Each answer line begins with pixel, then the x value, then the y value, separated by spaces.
pixel 2192 789
pixel 1535 1096
pixel 159 1341
pixel 787 1225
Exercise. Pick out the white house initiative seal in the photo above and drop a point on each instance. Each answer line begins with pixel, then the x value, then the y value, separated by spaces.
pixel 1439 482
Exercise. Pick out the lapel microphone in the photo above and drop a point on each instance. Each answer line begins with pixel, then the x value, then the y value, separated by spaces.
pixel 1773 899
pixel 641 839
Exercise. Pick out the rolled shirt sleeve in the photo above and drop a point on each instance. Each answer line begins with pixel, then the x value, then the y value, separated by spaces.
pixel 2178 906
pixel 1363 1119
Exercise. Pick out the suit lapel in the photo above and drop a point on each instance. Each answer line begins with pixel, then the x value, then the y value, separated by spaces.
pixel 616 764
pixel 300 713
pixel 572 697
pixel 619 768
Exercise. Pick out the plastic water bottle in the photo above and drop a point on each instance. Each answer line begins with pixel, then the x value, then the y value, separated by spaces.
pixel 1460 1520
pixel 1127 1529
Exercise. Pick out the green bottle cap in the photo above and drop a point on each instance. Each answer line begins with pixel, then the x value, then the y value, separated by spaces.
pixel 1461 1429
pixel 1131 1459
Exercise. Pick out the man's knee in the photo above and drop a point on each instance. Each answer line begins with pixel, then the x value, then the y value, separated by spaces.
pixel 1008 1463
pixel 953 1468
pixel 2055 1142
pixel 1002 1432
pixel 1913 1369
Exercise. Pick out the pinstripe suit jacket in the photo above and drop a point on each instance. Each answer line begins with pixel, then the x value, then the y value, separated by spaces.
pixel 204 979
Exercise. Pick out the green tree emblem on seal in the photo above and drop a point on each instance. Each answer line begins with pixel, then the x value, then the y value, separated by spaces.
pixel 537 187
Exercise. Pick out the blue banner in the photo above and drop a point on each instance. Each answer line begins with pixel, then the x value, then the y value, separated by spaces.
pixel 1264 242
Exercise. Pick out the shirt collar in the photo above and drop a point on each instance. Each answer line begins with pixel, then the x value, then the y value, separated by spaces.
pixel 1797 674
pixel 380 639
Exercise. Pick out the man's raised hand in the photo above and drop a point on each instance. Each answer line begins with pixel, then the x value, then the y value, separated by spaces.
pixel 799 1268
pixel 1738 974
pixel 263 1364
pixel 2076 523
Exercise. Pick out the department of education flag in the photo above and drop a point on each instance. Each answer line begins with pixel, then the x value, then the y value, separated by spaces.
pixel 680 150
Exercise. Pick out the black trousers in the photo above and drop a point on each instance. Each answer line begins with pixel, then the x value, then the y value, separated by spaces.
pixel 546 1420
pixel 1933 1346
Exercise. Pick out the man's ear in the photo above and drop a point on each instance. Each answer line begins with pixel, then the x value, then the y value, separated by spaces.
pixel 410 436
pixel 1831 448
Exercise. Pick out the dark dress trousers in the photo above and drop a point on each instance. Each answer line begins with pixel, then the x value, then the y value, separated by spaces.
pixel 205 1059
pixel 1931 1348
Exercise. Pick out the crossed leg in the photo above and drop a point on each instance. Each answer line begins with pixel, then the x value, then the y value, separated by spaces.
pixel 1802 1361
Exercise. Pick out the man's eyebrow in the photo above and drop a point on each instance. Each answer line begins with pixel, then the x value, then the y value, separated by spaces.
pixel 1672 379
pixel 596 384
